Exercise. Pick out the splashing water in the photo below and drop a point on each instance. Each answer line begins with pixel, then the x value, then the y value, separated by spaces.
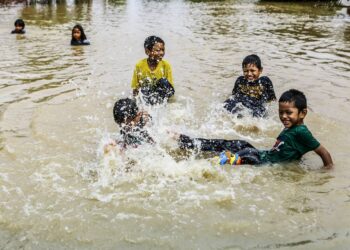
pixel 58 189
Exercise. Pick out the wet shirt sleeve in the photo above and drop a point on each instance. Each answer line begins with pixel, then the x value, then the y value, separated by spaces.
pixel 269 94
pixel 135 81
pixel 307 141
pixel 86 42
pixel 235 89
pixel 168 72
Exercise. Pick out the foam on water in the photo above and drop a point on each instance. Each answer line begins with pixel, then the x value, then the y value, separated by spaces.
pixel 58 190
pixel 160 166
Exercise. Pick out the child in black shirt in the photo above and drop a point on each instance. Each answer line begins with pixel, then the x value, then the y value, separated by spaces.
pixel 251 90
pixel 78 36
pixel 19 27
pixel 131 121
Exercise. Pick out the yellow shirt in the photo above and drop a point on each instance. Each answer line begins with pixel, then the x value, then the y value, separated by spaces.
pixel 143 75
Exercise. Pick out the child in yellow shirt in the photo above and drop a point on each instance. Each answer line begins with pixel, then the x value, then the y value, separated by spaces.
pixel 152 76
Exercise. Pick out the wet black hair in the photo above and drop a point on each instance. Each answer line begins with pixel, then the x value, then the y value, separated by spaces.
pixel 82 36
pixel 20 22
pixel 124 109
pixel 252 59
pixel 151 41
pixel 296 96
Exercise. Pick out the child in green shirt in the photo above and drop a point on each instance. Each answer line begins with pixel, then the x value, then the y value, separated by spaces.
pixel 152 76
pixel 292 143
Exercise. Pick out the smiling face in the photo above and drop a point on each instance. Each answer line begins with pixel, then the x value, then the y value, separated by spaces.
pixel 77 34
pixel 157 53
pixel 251 72
pixel 290 115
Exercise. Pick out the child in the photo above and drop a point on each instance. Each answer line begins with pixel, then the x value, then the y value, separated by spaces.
pixel 153 75
pixel 251 90
pixel 78 36
pixel 131 121
pixel 19 27
pixel 292 143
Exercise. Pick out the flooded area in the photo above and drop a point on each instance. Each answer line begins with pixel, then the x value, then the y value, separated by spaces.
pixel 59 191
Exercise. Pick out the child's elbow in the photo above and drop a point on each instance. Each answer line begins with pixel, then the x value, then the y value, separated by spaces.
pixel 325 156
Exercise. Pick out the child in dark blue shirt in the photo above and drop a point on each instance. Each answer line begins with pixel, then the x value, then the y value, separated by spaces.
pixel 78 36
pixel 19 27
pixel 251 90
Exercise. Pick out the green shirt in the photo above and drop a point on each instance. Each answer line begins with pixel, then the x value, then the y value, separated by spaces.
pixel 291 144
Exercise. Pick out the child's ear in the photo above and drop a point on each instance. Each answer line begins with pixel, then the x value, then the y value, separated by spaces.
pixel 303 113
pixel 147 51
pixel 261 70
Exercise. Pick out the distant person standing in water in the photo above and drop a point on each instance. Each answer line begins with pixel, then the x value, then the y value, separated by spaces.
pixel 78 36
pixel 19 27
pixel 251 90
pixel 152 76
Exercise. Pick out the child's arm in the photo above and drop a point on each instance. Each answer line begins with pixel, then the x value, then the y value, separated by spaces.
pixel 269 92
pixel 237 82
pixel 169 74
pixel 325 156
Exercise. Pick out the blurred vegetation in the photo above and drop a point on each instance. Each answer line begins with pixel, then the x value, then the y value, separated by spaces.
pixel 12 1
pixel 327 2
pixel 39 1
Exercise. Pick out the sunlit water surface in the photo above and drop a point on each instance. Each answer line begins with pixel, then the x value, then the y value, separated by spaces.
pixel 57 188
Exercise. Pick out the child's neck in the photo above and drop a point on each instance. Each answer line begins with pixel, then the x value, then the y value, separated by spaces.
pixel 152 64
pixel 297 124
